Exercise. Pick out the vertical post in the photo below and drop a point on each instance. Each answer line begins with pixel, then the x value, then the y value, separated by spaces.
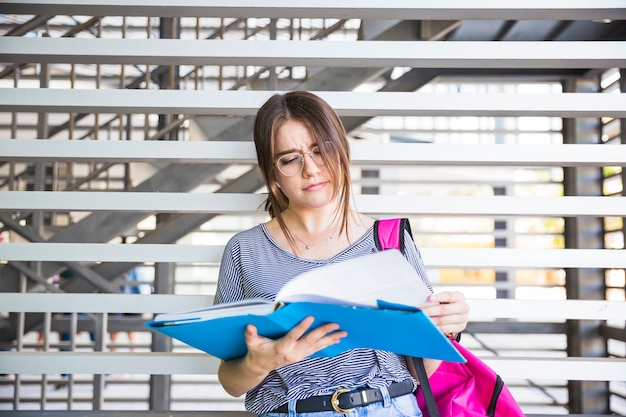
pixel 45 346
pixel 501 227
pixel 503 285
pixel 272 79
pixel 21 318
pixel 39 184
pixel 100 331
pixel 584 338
pixel 160 385
pixel 40 167
pixel 169 29
pixel 622 134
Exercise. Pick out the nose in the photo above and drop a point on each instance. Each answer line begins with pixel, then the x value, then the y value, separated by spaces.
pixel 309 164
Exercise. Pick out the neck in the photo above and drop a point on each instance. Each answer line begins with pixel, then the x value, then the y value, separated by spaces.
pixel 311 224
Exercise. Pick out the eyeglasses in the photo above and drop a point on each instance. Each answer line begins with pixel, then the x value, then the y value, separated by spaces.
pixel 292 163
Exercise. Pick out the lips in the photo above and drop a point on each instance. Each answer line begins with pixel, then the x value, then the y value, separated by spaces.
pixel 316 186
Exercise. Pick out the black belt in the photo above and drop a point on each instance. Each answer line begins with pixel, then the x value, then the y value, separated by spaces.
pixel 343 401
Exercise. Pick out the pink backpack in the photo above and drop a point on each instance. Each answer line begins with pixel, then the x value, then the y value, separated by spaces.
pixel 470 389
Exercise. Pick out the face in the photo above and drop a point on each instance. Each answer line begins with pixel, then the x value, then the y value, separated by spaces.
pixel 310 188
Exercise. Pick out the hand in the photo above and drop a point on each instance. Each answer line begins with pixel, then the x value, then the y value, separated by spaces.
pixel 449 311
pixel 267 354
pixel 240 375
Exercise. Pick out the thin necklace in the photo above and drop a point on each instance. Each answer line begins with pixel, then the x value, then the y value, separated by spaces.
pixel 308 246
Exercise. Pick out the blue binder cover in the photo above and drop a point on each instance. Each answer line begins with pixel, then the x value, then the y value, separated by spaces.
pixel 400 329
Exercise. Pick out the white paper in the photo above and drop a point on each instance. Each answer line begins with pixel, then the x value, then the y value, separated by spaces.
pixel 358 282
pixel 361 281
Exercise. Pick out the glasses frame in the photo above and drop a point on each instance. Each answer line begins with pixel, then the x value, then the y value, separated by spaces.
pixel 312 154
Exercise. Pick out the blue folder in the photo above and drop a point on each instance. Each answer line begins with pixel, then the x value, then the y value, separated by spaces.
pixel 400 329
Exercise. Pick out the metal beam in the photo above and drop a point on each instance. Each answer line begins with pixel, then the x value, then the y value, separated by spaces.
pixel 101 303
pixel 480 309
pixel 362 153
pixel 391 9
pixel 434 257
pixel 345 103
pixel 585 369
pixel 586 54
pixel 244 203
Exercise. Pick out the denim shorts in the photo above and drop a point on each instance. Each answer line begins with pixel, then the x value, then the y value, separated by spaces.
pixel 404 406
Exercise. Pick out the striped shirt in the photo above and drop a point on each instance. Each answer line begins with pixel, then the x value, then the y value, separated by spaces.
pixel 255 266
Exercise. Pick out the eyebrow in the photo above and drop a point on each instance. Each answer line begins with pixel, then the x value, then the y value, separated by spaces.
pixel 293 150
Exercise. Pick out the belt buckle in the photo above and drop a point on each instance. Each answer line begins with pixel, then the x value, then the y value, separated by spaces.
pixel 334 401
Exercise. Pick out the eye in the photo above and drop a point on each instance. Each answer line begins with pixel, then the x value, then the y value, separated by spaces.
pixel 316 151
pixel 289 159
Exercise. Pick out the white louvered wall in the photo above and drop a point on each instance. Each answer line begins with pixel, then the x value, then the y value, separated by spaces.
pixel 414 176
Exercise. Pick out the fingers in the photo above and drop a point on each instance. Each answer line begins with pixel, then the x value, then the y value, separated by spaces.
pixel 323 336
pixel 299 343
pixel 446 297
pixel 449 311
pixel 298 331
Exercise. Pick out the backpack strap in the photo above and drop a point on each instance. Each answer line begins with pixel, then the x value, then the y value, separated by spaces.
pixel 389 233
pixel 431 403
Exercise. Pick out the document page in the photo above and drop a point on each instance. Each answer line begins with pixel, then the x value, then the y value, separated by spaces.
pixel 252 306
pixel 360 282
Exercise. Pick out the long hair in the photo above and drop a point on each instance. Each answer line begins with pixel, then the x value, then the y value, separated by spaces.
pixel 330 136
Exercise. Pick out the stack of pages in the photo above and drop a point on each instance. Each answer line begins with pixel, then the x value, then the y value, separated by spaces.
pixel 376 299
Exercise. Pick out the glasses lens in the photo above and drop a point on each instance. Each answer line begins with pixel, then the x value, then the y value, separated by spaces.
pixel 290 164
pixel 316 156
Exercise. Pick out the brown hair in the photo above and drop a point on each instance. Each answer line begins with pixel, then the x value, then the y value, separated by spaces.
pixel 330 135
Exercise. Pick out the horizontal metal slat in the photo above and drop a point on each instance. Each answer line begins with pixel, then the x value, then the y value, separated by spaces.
pixel 433 257
pixel 129 201
pixel 152 363
pixel 582 369
pixel 480 309
pixel 101 303
pixel 363 153
pixel 536 310
pixel 492 205
pixel 240 203
pixel 345 103
pixel 103 252
pixel 390 9
pixel 32 150
pixel 588 54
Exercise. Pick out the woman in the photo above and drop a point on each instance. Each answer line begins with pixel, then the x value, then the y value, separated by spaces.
pixel 304 156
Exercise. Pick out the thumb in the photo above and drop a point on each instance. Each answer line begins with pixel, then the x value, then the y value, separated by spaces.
pixel 250 333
